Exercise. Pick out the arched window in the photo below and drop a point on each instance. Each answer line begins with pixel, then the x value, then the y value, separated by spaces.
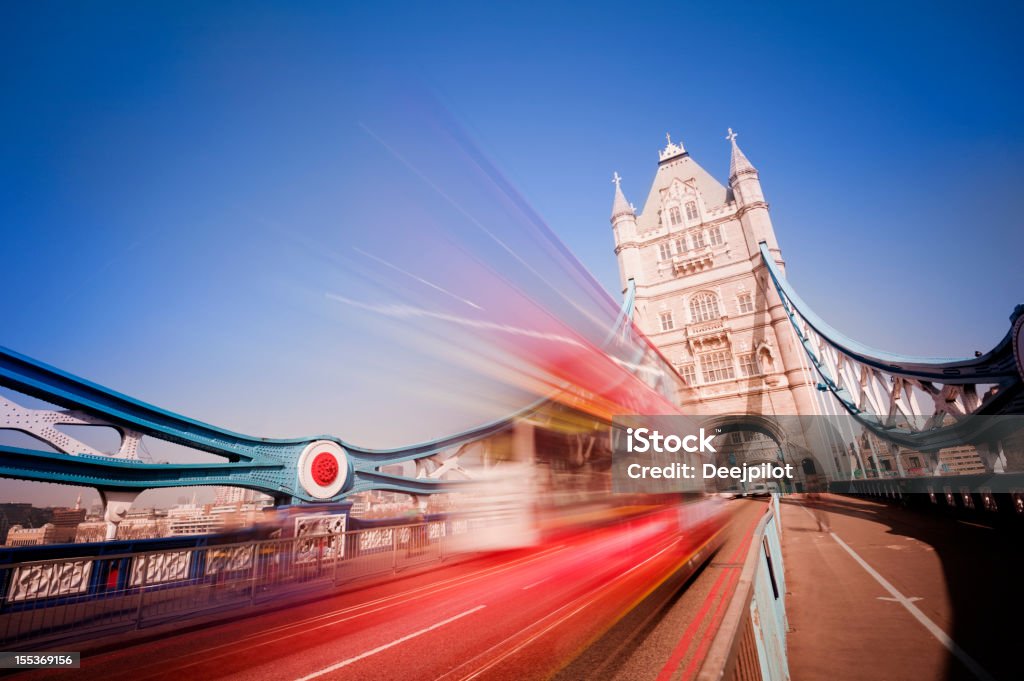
pixel 691 210
pixel 704 307
pixel 674 216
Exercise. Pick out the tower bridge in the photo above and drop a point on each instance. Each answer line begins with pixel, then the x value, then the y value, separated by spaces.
pixel 711 293
pixel 710 329
pixel 703 283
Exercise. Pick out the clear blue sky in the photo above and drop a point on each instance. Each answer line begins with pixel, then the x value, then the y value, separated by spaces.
pixel 169 172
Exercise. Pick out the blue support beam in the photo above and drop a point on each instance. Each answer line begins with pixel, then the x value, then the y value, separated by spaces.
pixel 281 468
pixel 999 366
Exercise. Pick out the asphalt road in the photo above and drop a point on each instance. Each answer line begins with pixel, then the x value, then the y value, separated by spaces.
pixel 668 635
pixel 877 592
pixel 510 615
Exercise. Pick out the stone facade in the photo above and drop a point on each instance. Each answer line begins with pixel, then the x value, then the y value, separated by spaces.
pixel 702 293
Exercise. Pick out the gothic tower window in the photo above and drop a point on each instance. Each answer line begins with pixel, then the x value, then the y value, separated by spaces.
pixel 704 307
pixel 664 250
pixel 748 365
pixel 717 366
pixel 691 210
pixel 698 238
pixel 674 216
pixel 681 245
pixel 689 373
pixel 746 302
pixel 715 236
pixel 667 323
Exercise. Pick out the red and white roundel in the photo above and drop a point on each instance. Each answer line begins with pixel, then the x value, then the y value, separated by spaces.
pixel 323 469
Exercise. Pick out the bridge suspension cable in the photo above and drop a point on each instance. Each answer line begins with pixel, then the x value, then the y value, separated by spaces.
pixel 921 403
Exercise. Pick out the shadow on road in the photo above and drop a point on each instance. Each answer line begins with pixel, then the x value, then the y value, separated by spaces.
pixel 982 573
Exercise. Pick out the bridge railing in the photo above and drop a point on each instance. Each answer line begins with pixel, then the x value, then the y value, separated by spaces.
pixel 751 643
pixel 80 597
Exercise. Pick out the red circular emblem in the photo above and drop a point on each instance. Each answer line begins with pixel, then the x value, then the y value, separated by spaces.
pixel 324 469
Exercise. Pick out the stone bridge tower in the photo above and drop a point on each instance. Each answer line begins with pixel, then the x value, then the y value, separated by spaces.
pixel 702 293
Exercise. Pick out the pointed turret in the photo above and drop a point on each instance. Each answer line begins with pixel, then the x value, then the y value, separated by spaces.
pixel 743 177
pixel 739 164
pixel 624 227
pixel 752 208
pixel 620 206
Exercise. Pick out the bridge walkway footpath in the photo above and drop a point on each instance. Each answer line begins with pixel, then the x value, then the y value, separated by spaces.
pixel 878 592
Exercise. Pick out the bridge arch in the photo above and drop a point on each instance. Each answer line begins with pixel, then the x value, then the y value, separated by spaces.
pixel 797 441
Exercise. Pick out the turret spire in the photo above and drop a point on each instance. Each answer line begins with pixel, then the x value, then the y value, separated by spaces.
pixel 620 206
pixel 739 165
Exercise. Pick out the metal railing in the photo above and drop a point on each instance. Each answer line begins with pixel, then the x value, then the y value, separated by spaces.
pixel 74 598
pixel 751 643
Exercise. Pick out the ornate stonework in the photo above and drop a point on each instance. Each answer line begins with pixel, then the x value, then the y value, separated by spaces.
pixel 702 293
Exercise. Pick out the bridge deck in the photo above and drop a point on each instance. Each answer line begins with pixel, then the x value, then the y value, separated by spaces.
pixel 519 614
pixel 879 592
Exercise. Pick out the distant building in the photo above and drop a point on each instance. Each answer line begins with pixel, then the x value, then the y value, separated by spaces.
pixel 960 460
pixel 22 514
pixel 91 531
pixel 37 536
pixel 138 524
pixel 60 526
pixel 193 519
pixel 68 517
pixel 238 495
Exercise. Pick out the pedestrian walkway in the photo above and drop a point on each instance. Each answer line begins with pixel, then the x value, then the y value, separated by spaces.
pixel 870 594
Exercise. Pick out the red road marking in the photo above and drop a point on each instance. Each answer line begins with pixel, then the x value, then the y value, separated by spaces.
pixel 712 629
pixel 684 643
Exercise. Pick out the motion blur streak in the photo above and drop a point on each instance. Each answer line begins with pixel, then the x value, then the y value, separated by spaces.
pixel 460 269
pixel 523 614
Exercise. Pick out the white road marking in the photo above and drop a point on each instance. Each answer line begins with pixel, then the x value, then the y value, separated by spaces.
pixel 304 626
pixel 587 599
pixel 984 527
pixel 368 653
pixel 893 600
pixel 539 581
pixel 935 630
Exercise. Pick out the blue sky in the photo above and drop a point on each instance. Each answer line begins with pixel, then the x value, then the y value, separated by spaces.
pixel 171 172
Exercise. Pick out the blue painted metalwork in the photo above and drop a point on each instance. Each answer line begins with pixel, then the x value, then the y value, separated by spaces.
pixel 992 367
pixel 997 367
pixel 267 465
pixel 263 464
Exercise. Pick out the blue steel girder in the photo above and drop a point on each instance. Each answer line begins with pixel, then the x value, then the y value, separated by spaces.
pixel 263 464
pixel 280 468
pixel 886 383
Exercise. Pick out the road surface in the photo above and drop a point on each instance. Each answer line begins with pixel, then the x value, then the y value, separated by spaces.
pixel 606 600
